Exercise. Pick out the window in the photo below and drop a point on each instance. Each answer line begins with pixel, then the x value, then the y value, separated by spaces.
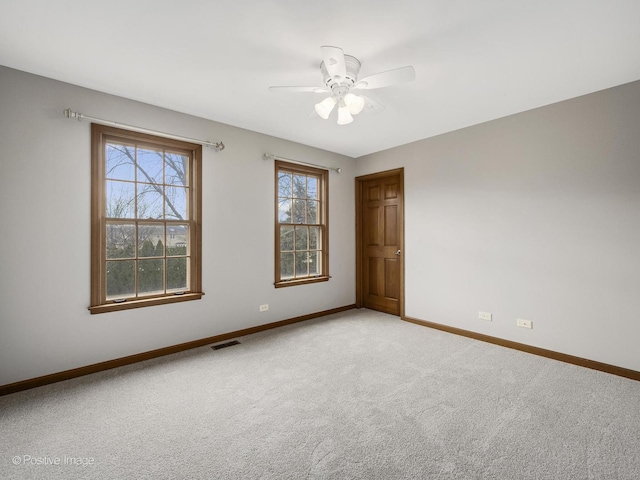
pixel 145 220
pixel 302 253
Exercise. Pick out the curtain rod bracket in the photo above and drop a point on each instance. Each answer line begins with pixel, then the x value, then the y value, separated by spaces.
pixel 71 114
pixel 218 146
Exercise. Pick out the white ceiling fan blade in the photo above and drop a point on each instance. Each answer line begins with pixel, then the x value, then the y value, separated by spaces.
pixel 333 58
pixel 385 79
pixel 300 89
pixel 371 106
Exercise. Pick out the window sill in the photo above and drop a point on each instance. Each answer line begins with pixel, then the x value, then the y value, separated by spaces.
pixel 303 281
pixel 147 302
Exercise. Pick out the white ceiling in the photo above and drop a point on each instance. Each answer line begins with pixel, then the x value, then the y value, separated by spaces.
pixel 474 60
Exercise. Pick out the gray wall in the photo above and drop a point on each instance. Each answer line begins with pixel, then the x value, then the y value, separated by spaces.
pixel 533 216
pixel 44 216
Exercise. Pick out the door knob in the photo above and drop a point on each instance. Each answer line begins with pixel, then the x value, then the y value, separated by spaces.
pixel 398 252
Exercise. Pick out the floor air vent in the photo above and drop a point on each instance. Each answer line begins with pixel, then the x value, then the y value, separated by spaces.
pixel 224 345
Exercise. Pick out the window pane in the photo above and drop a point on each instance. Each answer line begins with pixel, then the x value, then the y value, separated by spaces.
pixel 284 184
pixel 312 188
pixel 141 212
pixel 302 238
pixel 176 169
pixel 299 196
pixel 120 199
pixel 302 261
pixel 121 279
pixel 177 240
pixel 315 263
pixel 121 241
pixel 119 162
pixel 284 210
pixel 176 203
pixel 177 274
pixel 150 276
pixel 286 238
pixel 299 211
pixel 314 238
pixel 150 201
pixel 299 186
pixel 313 212
pixel 151 240
pixel 286 265
pixel 149 166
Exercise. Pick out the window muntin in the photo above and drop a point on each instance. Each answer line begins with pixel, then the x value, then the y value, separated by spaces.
pixel 146 220
pixel 301 224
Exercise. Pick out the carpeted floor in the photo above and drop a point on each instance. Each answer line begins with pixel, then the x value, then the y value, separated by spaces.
pixel 357 395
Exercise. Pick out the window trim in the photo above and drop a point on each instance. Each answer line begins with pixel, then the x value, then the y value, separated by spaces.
pixel 99 135
pixel 323 194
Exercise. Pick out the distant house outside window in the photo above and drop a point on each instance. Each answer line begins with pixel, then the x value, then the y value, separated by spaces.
pixel 146 220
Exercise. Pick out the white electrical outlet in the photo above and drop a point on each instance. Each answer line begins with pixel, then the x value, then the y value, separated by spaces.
pixel 524 323
pixel 264 308
pixel 484 316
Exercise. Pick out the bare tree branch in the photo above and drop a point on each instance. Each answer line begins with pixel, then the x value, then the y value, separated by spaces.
pixel 129 157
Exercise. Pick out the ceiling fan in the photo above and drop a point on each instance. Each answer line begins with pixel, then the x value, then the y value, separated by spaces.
pixel 340 75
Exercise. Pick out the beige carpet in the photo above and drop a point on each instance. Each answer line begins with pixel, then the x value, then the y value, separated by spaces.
pixel 357 395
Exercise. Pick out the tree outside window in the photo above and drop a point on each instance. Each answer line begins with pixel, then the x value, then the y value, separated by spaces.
pixel 146 227
pixel 301 224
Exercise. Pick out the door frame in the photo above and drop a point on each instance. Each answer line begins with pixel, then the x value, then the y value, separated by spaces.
pixel 359 247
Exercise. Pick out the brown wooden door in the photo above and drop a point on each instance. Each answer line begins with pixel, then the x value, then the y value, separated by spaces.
pixel 381 213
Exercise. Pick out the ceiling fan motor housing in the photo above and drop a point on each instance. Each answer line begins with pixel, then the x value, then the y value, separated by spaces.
pixel 352 67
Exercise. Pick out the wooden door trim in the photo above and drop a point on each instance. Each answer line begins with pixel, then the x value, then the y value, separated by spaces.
pixel 359 182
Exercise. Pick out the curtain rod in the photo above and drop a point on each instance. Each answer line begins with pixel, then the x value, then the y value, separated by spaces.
pixel 271 156
pixel 79 116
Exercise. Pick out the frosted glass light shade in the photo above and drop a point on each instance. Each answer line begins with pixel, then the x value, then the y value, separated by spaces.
pixel 354 102
pixel 344 115
pixel 325 107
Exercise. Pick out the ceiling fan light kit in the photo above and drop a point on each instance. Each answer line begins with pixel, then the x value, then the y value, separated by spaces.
pixel 340 75
pixel 344 115
pixel 325 107
pixel 354 102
